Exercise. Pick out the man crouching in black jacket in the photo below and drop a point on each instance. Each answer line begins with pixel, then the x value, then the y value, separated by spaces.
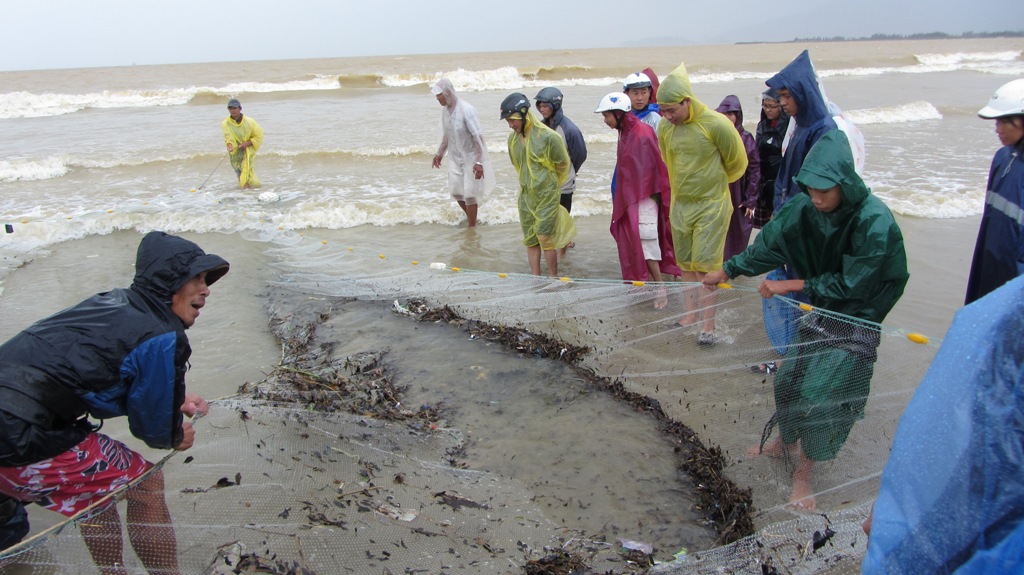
pixel 119 353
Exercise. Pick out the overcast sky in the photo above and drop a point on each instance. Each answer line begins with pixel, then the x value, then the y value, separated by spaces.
pixel 39 34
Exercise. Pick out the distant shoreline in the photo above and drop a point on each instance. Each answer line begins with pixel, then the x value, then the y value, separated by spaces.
pixel 877 37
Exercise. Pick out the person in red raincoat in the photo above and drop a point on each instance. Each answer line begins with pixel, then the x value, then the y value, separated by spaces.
pixel 640 198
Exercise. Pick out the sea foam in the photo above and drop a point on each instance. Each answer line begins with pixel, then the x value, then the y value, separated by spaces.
pixel 910 112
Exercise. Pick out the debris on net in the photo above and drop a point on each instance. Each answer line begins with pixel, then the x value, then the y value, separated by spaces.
pixel 724 504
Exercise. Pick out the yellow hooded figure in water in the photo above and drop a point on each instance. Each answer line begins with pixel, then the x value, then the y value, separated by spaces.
pixel 243 137
pixel 540 157
pixel 703 153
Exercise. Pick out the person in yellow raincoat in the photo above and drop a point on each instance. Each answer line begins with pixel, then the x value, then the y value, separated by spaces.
pixel 540 157
pixel 703 153
pixel 243 137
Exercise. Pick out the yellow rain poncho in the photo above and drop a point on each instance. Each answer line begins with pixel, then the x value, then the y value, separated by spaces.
pixel 242 161
pixel 703 155
pixel 542 160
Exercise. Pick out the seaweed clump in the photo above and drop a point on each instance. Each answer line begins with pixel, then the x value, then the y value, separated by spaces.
pixel 514 338
pixel 313 379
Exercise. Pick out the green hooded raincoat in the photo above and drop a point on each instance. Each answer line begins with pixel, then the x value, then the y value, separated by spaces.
pixel 853 262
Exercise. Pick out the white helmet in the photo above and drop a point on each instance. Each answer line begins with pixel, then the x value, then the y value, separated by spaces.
pixel 637 80
pixel 1007 101
pixel 613 101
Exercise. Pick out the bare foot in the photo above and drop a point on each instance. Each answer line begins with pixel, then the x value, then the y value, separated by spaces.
pixel 688 319
pixel 773 449
pixel 803 492
pixel 661 299
pixel 802 497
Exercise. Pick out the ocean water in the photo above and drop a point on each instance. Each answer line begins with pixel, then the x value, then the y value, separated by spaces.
pixel 349 140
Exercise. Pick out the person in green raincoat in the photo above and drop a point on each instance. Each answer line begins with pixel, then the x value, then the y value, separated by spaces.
pixel 540 157
pixel 704 154
pixel 243 137
pixel 846 247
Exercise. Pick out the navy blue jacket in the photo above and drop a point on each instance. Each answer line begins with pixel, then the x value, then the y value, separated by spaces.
pixel 999 251
pixel 813 120
pixel 574 141
pixel 119 353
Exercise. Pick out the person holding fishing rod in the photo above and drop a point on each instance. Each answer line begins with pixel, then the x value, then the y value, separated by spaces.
pixel 243 137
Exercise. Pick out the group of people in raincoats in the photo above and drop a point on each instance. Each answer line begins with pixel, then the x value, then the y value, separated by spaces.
pixel 687 193
pixel 689 185
pixel 546 153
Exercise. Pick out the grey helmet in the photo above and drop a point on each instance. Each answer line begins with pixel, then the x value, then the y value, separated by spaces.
pixel 514 103
pixel 550 96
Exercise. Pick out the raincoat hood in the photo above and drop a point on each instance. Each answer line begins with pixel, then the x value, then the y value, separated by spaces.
pixel 801 80
pixel 556 119
pixel 773 94
pixel 164 263
pixel 444 86
pixel 830 163
pixel 654 84
pixel 676 88
pixel 731 103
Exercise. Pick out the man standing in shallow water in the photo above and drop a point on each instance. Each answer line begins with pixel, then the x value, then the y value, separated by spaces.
pixel 848 252
pixel 703 153
pixel 541 159
pixel 243 137
pixel 469 168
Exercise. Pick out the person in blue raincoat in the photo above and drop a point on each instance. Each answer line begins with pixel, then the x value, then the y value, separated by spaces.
pixel 999 251
pixel 951 499
pixel 850 257
pixel 549 104
pixel 800 95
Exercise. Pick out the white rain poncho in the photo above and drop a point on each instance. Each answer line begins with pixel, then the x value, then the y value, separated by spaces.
pixel 703 155
pixel 542 160
pixel 243 160
pixel 462 139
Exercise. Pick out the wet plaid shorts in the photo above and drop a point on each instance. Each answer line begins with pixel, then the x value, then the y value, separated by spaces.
pixel 75 479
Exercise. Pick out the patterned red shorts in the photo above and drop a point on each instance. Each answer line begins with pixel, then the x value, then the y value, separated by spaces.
pixel 73 480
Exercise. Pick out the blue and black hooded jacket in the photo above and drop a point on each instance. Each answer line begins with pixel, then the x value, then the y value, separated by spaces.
pixel 119 353
pixel 813 120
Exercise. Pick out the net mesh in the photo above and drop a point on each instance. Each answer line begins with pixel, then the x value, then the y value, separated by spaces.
pixel 313 484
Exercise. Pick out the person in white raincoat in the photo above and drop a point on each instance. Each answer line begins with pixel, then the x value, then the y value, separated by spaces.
pixel 470 176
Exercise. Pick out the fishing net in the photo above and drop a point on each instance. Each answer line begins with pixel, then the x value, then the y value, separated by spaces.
pixel 324 467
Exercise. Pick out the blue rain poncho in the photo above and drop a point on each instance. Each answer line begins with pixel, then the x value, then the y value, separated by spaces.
pixel 703 156
pixel 540 157
pixel 243 160
pixel 951 498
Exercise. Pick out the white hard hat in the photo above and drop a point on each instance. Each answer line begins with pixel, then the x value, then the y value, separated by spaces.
pixel 637 80
pixel 1007 101
pixel 613 101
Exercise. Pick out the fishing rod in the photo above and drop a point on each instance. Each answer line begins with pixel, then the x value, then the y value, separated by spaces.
pixel 211 174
